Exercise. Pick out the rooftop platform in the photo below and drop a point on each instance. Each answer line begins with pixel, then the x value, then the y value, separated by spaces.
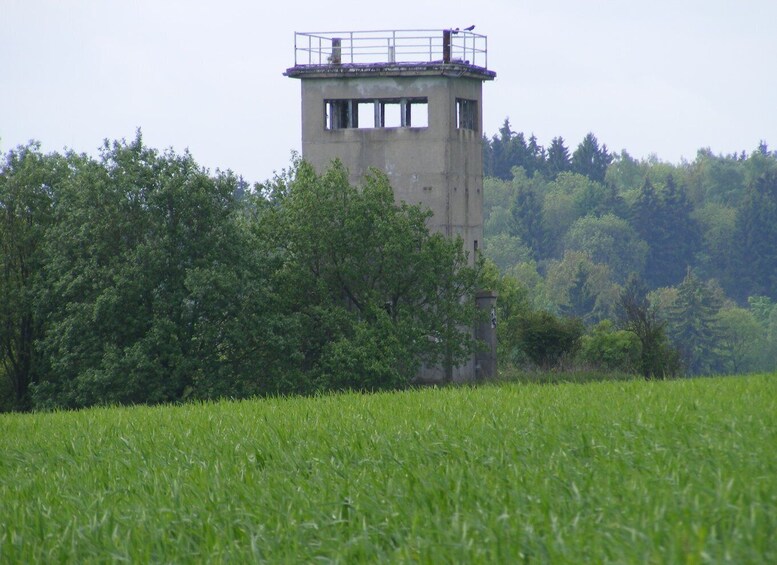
pixel 450 52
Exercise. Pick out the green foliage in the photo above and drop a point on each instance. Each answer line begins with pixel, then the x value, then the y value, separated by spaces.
pixel 547 340
pixel 376 294
pixel 591 160
pixel 527 224
pixel 756 237
pixel 579 287
pixel 510 149
pixel 741 341
pixel 693 326
pixel 611 241
pixel 28 181
pixel 658 359
pixel 563 474
pixel 506 251
pixel 153 289
pixel 559 160
pixel 717 256
pixel 140 278
pixel 512 305
pixel 606 347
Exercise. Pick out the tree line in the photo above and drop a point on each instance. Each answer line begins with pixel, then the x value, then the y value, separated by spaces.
pixel 575 229
pixel 139 277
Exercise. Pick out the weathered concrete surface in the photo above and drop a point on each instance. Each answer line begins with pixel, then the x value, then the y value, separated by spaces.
pixel 439 166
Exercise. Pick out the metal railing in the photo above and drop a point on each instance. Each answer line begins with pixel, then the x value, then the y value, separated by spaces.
pixel 390 46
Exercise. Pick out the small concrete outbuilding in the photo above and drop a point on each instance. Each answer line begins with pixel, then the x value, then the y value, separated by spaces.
pixel 410 104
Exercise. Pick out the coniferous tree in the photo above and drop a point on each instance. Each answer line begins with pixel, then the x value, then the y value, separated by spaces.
pixel 591 160
pixel 693 324
pixel 527 220
pixel 679 236
pixel 644 219
pixel 536 162
pixel 503 152
pixel 558 160
pixel 756 237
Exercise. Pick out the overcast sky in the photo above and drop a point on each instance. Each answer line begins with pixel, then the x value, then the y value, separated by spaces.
pixel 663 77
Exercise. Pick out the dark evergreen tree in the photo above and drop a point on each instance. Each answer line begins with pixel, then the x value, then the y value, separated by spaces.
pixel 582 298
pixel 693 324
pixel 503 152
pixel 526 222
pixel 536 157
pixel 679 236
pixel 644 211
pixel 510 149
pixel 591 160
pixel 756 237
pixel 558 160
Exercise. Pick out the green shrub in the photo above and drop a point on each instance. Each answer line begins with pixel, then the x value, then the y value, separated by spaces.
pixel 546 339
pixel 609 348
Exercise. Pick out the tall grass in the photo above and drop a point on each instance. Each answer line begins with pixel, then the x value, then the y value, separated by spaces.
pixel 680 471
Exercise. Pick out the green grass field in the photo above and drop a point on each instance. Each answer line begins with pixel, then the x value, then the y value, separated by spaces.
pixel 680 471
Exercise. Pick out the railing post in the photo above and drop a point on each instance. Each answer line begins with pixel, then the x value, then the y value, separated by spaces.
pixel 446 46
pixel 337 52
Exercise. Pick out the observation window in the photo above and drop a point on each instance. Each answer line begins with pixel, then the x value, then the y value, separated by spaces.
pixel 466 114
pixel 376 113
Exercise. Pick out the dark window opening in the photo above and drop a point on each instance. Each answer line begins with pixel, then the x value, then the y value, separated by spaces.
pixel 466 114
pixel 380 113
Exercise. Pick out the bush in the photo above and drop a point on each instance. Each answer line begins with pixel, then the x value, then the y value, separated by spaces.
pixel 612 349
pixel 546 339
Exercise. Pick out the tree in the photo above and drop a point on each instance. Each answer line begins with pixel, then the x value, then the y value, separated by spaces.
pixel 609 240
pixel 527 221
pixel 591 160
pixel 28 181
pixel 510 149
pixel 558 160
pixel 506 251
pixel 152 291
pixel 756 237
pixel 579 287
pixel 636 314
pixel 512 306
pixel 674 234
pixel 718 251
pixel 612 349
pixel 547 340
pixel 693 324
pixel 375 293
pixel 741 340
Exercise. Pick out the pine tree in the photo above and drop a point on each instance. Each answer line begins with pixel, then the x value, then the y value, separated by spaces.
pixel 502 152
pixel 591 160
pixel 527 220
pixel 693 324
pixel 537 157
pixel 679 236
pixel 756 237
pixel 558 160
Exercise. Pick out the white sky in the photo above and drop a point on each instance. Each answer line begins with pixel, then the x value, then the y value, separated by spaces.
pixel 663 77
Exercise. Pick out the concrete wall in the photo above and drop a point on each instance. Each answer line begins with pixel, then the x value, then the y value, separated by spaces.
pixel 439 166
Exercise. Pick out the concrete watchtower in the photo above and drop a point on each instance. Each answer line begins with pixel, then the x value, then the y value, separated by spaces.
pixel 410 104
